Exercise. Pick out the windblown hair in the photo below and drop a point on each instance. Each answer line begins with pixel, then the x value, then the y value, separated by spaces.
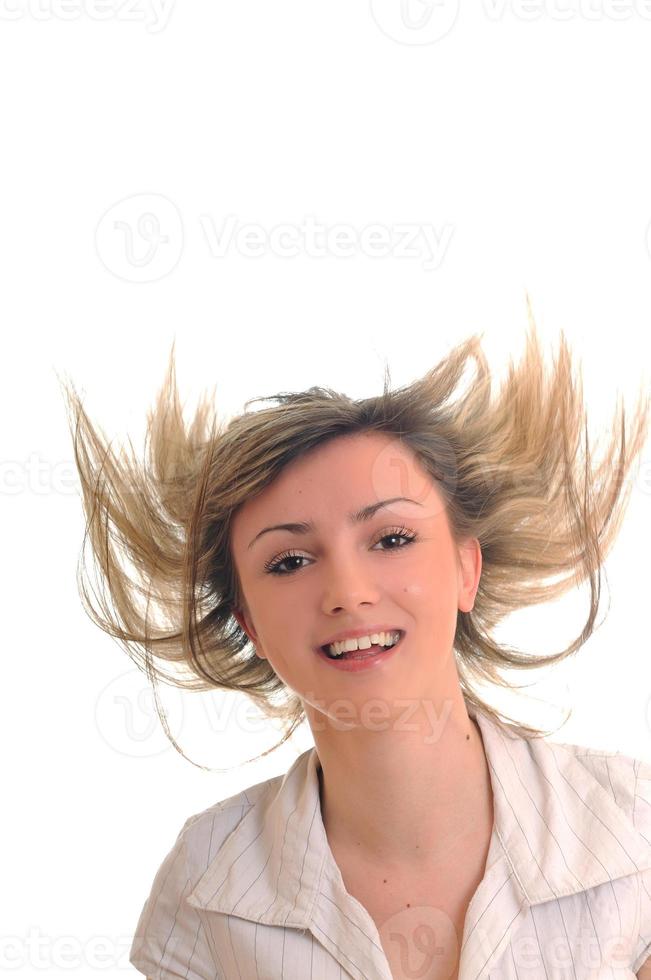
pixel 509 466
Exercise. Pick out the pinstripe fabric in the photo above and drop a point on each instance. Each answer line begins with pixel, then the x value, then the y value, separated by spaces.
pixel 251 890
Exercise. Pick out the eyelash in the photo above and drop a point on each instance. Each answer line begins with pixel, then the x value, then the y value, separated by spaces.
pixel 399 532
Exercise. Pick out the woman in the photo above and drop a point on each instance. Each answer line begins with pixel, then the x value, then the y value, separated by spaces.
pixel 355 556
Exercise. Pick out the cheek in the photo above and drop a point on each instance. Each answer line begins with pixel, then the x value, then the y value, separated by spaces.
pixel 433 593
pixel 284 649
pixel 294 667
pixel 428 579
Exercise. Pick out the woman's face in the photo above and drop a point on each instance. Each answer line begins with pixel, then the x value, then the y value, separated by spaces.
pixel 302 589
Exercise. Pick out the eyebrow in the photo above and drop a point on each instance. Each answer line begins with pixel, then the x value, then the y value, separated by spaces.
pixel 357 517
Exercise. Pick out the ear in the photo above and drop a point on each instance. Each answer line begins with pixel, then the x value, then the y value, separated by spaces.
pixel 243 617
pixel 470 562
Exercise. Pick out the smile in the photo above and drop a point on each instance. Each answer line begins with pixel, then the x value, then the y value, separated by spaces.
pixel 386 638
pixel 361 659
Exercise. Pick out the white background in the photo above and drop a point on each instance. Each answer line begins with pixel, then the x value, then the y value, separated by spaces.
pixel 161 169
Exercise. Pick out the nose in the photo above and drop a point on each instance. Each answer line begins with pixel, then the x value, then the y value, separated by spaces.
pixel 348 583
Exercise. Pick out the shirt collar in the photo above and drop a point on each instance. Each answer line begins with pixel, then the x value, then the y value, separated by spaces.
pixel 274 865
pixel 547 804
pixel 556 832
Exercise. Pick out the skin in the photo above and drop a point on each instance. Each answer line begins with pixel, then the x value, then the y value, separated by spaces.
pixel 404 778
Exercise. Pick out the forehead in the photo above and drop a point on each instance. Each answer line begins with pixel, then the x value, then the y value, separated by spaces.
pixel 344 474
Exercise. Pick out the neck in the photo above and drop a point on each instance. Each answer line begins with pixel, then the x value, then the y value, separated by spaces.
pixel 395 798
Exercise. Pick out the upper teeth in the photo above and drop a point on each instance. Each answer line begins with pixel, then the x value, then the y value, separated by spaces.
pixel 364 642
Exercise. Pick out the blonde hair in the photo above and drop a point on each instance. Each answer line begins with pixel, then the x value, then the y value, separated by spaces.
pixel 509 467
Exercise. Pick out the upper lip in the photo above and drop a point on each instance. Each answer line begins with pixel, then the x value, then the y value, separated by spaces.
pixel 362 631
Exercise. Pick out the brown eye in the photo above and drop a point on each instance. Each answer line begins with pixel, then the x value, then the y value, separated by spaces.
pixel 408 537
pixel 273 566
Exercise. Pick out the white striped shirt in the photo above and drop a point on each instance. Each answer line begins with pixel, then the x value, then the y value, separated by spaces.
pixel 251 889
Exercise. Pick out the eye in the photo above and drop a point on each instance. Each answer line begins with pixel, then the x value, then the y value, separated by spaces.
pixel 399 532
pixel 273 567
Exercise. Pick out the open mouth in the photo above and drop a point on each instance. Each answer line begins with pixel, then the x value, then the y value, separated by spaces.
pixel 362 654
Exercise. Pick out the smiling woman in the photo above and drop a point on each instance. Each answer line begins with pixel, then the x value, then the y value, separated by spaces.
pixel 355 557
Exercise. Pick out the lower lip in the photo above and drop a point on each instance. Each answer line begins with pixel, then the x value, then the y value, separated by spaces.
pixel 366 660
